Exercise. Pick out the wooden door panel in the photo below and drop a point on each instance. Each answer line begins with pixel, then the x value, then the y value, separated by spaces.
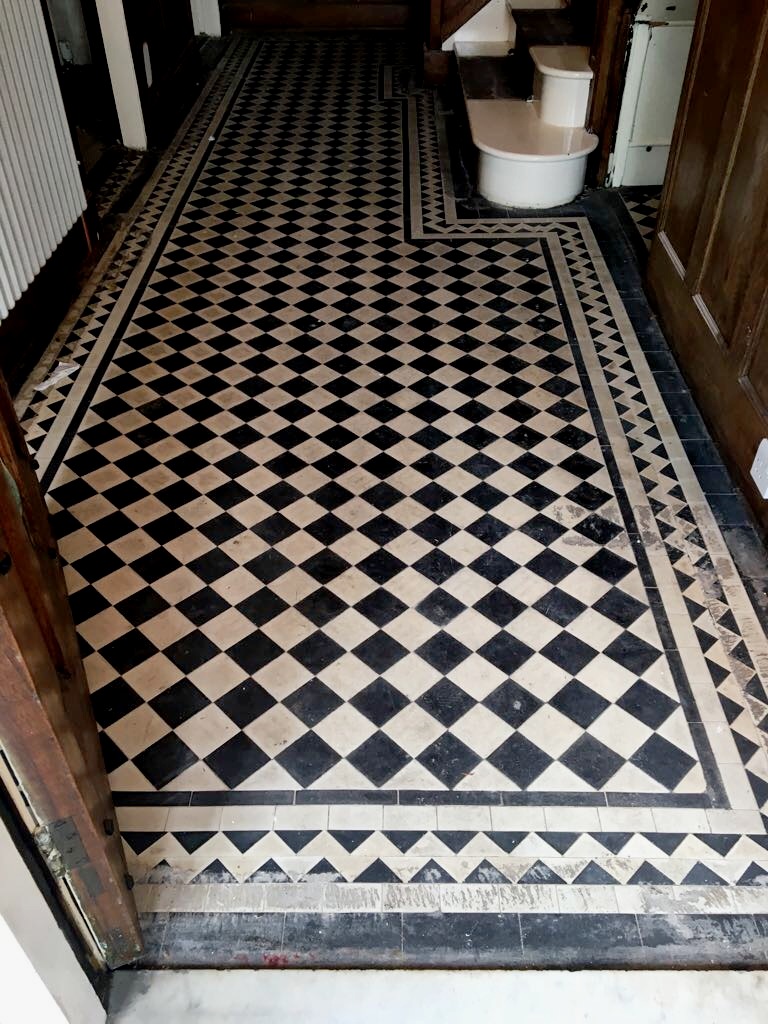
pixel 737 254
pixel 708 266
pixel 47 728
pixel 755 377
pixel 720 66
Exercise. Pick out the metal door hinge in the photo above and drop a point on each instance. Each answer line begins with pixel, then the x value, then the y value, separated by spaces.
pixel 62 848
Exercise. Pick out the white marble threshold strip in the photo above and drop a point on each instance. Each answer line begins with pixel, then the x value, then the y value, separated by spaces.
pixel 444 817
pixel 341 898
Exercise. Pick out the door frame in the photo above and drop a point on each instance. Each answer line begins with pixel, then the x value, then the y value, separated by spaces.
pixel 48 734
pixel 608 58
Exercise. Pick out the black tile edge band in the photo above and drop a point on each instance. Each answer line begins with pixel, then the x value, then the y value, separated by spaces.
pixel 571 941
pixel 227 798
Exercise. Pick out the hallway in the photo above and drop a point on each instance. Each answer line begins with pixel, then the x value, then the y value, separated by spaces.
pixel 398 595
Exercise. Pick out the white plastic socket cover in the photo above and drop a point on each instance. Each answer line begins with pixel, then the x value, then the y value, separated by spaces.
pixel 759 469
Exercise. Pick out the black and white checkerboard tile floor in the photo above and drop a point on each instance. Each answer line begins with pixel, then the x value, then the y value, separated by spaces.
pixel 643 206
pixel 391 573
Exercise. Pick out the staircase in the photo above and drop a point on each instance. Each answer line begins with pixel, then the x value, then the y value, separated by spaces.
pixel 527 107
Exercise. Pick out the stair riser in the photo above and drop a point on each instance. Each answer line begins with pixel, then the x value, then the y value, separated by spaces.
pixel 564 101
pixel 531 184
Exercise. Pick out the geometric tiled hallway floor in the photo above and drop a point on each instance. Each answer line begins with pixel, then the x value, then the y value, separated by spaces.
pixel 396 590
pixel 643 206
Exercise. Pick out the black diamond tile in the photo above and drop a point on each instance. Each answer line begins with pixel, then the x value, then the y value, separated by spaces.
pixel 103 562
pixel 592 761
pixel 446 702
pixel 179 702
pixel 449 760
pixel 568 652
pixel 381 566
pixel 164 760
pixel 646 703
pixel 128 651
pixel 379 701
pixel 580 465
pixel 632 653
pixel 317 652
pixel 246 702
pixel 212 565
pixel 494 566
pixel 380 607
pixel 443 652
pixel 380 652
pixel 382 529
pixel 262 607
pixel 500 607
pixel 512 703
pixel 506 652
pixel 520 760
pixel 440 607
pixel 543 529
pixel 535 495
pixel 312 702
pixel 608 566
pixel 141 606
pixel 321 606
pixel 280 495
pixel 379 758
pixel 620 608
pixel 254 652
pixel 275 528
pixel 269 566
pixel 325 566
pixel 560 607
pixel 382 496
pixel 435 529
pixel 202 606
pixel 114 701
pixel 112 754
pixel 663 761
pixel 191 651
pixel 489 530
pixel 434 496
pixel 551 566
pixel 437 566
pixel 579 703
pixel 331 495
pixel 598 529
pixel 236 760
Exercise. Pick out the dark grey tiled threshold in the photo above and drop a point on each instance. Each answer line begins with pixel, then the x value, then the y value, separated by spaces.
pixel 578 941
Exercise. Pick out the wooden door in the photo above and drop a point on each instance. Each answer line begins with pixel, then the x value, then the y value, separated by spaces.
pixel 708 268
pixel 47 731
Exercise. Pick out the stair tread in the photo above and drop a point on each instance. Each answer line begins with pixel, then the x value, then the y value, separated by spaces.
pixel 512 128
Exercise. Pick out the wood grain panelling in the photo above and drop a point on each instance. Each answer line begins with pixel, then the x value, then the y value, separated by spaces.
pixel 47 727
pixel 736 262
pixel 721 61
pixel 708 267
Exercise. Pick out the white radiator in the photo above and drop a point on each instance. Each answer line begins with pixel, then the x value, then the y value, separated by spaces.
pixel 41 195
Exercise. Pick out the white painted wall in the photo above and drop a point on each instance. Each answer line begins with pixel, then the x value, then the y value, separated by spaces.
pixel 122 73
pixel 661 39
pixel 40 979
pixel 494 24
pixel 206 17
